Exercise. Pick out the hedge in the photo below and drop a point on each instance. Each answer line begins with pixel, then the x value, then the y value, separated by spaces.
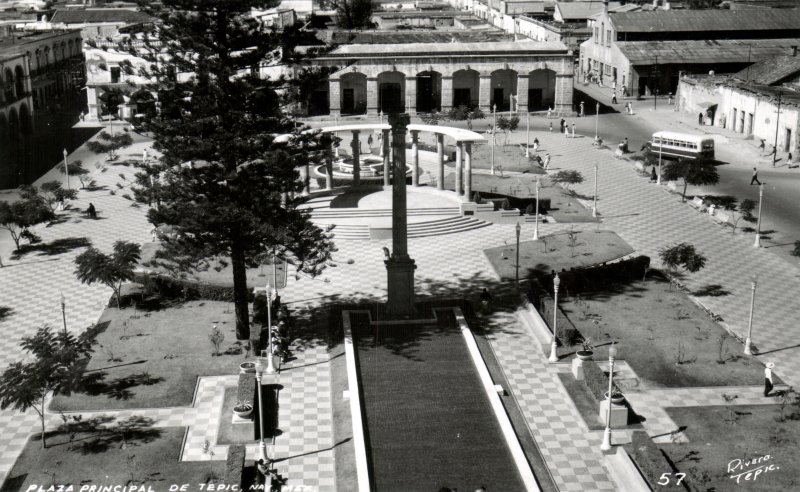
pixel 652 462
pixel 568 335
pixel 599 277
pixel 246 390
pixel 596 380
pixel 170 287
pixel 234 466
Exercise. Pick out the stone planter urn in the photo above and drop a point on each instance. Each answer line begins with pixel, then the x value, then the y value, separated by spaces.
pixel 616 398
pixel 584 354
pixel 247 367
pixel 243 410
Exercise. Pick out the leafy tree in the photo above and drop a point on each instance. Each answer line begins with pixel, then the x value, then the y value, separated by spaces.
pixel 682 255
pixel 697 172
pixel 75 168
pixel 353 14
pixel 508 125
pixel 110 99
pixel 567 178
pixel 19 216
pixel 110 144
pixel 739 211
pixel 111 270
pixel 52 192
pixel 225 181
pixel 57 366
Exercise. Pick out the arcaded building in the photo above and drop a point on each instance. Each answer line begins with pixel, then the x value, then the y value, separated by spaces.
pixel 424 77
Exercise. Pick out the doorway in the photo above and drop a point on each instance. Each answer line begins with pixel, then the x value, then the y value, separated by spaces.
pixel 348 101
pixel 497 97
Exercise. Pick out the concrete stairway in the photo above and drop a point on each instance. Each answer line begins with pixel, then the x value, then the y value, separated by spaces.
pixel 351 232
pixel 325 213
pixel 450 225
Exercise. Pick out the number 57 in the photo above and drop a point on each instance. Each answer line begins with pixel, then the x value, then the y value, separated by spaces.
pixel 664 479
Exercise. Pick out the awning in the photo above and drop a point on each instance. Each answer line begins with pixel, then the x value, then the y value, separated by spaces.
pixel 707 104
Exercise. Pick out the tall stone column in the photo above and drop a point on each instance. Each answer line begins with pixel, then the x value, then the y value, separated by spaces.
pixel 415 158
pixel 356 158
pixel 372 96
pixel 468 171
pixel 334 97
pixel 485 93
pixel 459 172
pixel 411 95
pixel 399 266
pixel 439 161
pixel 329 170
pixel 447 92
pixel 386 153
pixel 523 83
pixel 563 94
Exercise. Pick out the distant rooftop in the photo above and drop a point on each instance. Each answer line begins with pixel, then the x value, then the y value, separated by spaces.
pixel 582 10
pixel 708 51
pixel 510 48
pixel 414 36
pixel 771 71
pixel 706 20
pixel 99 16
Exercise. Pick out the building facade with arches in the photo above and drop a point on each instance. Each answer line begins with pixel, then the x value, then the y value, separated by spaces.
pixel 517 76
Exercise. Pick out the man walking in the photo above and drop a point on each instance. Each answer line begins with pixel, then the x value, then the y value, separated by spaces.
pixel 614 98
pixel 562 125
pixel 573 130
pixel 754 179
pixel 768 378
pixel 700 119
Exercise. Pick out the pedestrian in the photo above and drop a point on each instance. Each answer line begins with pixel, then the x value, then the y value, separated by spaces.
pixel 92 211
pixel 566 130
pixel 630 108
pixel 573 130
pixel 755 177
pixel 762 145
pixel 789 157
pixel 768 378
pixel 614 98
pixel 669 101
pixel 486 297
pixel 369 141
pixel 547 161
pixel 549 113
pixel 582 113
pixel 614 86
pixel 535 144
pixel 551 126
pixel 562 125
pixel 653 176
pixel 700 119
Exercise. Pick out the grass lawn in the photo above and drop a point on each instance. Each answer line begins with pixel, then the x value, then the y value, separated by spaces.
pixel 716 442
pixel 552 252
pixel 230 433
pixel 428 432
pixel 662 335
pixel 169 345
pixel 153 463
pixel 256 277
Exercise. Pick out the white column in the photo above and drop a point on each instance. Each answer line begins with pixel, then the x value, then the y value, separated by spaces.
pixel 468 171
pixel 386 156
pixel 440 161
pixel 459 171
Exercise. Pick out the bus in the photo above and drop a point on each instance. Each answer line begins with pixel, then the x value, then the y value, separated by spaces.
pixel 682 145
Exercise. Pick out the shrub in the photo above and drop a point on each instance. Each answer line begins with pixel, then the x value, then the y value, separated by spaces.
pixel 247 388
pixel 596 380
pixel 234 466
pixel 170 287
pixel 652 462
pixel 599 277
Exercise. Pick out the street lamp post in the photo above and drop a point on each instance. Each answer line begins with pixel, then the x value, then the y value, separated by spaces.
pixel 612 351
pixel 536 228
pixel 553 355
pixel 66 168
pixel 262 445
pixel 594 203
pixel 494 132
pixel 777 127
pixel 63 312
pixel 596 119
pixel 270 362
pixel 518 229
pixel 528 135
pixel 747 349
pixel 757 243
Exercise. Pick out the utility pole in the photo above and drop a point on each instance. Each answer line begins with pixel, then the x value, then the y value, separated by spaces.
pixel 655 83
pixel 777 126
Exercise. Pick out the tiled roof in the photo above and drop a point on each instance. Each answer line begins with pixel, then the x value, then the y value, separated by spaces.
pixel 524 7
pixel 772 70
pixel 412 49
pixel 706 20
pixel 708 51
pixel 403 37
pixel 99 16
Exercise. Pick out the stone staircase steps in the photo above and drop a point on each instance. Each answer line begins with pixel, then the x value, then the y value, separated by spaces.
pixel 445 226
pixel 386 212
pixel 351 232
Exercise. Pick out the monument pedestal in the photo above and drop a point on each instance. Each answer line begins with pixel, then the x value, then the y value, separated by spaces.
pixel 619 414
pixel 400 273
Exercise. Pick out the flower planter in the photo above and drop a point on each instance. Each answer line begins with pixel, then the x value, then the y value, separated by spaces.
pixel 243 410
pixel 617 398
pixel 247 367
pixel 584 354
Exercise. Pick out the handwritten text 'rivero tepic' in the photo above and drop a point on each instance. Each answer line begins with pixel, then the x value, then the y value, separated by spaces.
pixel 749 470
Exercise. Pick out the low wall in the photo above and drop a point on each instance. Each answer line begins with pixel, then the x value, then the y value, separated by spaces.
pixel 359 441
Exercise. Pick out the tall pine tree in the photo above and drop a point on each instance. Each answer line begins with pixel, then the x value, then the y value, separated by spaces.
pixel 223 171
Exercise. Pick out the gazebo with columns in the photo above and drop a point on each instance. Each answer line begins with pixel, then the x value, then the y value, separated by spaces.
pixel 463 163
pixel 422 77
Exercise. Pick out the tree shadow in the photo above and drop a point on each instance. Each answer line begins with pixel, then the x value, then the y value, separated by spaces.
pixel 94 384
pixel 5 312
pixel 99 434
pixel 53 248
pixel 711 290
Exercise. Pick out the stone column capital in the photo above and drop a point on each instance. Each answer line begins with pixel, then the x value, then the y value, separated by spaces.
pixel 399 122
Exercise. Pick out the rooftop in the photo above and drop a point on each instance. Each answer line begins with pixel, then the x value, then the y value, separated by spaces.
pixel 706 20
pixel 707 51
pixel 414 36
pixel 582 10
pixel 19 39
pixel 771 71
pixel 97 16
pixel 415 49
